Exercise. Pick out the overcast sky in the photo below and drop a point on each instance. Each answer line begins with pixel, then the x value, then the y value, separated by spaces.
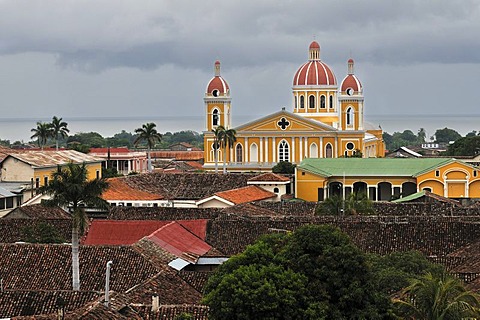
pixel 152 59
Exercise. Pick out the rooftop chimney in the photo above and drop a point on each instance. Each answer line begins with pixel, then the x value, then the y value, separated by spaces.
pixel 155 303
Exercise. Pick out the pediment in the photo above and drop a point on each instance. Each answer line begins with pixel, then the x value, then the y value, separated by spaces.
pixel 284 121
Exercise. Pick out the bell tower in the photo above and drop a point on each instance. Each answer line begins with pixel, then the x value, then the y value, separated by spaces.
pixel 217 101
pixel 351 101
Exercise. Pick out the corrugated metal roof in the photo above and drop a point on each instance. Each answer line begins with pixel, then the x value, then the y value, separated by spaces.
pixel 5 193
pixel 371 166
pixel 42 159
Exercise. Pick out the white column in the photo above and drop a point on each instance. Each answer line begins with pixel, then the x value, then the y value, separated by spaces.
pixel 321 147
pixel 336 148
pixel 305 139
pixel 292 160
pixel 300 146
pixel 261 150
pixel 129 168
pixel 266 149
pixel 274 150
pixel 232 159
pixel 247 160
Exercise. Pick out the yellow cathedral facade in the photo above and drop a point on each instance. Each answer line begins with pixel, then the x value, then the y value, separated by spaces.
pixel 327 121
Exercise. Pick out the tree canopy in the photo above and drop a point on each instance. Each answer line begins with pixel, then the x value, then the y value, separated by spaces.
pixel 313 273
pixel 446 135
pixel 284 167
pixel 466 146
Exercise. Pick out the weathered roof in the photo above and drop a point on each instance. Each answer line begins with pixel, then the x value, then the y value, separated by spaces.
pixel 245 194
pixel 119 190
pixel 178 155
pixel 338 167
pixel 427 194
pixel 179 241
pixel 269 177
pixel 4 193
pixel 41 159
pixel 37 211
pixel 162 213
pixel 125 232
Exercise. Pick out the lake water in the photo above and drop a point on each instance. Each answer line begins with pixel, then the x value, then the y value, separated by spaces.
pixel 19 129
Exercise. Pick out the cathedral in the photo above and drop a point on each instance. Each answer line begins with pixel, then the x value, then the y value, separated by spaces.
pixel 327 121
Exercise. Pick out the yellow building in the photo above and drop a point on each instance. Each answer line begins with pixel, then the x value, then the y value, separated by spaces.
pixel 327 121
pixel 386 178
pixel 37 167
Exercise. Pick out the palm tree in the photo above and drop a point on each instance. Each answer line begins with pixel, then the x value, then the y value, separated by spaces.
pixel 440 297
pixel 227 139
pixel 216 143
pixel 70 188
pixel 58 128
pixel 147 133
pixel 42 132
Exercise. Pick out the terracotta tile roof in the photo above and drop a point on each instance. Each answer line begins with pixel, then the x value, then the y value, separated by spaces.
pixel 172 312
pixel 16 230
pixel 245 194
pixel 269 177
pixel 119 190
pixel 197 279
pixel 42 159
pixel 126 232
pixel 28 303
pixel 37 211
pixel 191 186
pixel 20 267
pixel 112 150
pixel 180 242
pixel 195 165
pixel 161 213
pixel 177 155
pixel 249 209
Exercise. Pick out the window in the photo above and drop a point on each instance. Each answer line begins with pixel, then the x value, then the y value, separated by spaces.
pixel 437 173
pixel 2 203
pixel 239 153
pixel 98 174
pixel 328 151
pixel 37 183
pixel 474 173
pixel 45 181
pixel 427 189
pixel 296 103
pixel 283 151
pixel 313 150
pixel 215 117
pixel 350 146
pixel 331 101
pixel 322 101
pixel 349 116
pixel 302 102
pixel 275 190
pixel 311 102
pixel 253 152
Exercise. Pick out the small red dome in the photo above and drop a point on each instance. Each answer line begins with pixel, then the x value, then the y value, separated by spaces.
pixel 314 45
pixel 351 82
pixel 350 60
pixel 314 73
pixel 219 84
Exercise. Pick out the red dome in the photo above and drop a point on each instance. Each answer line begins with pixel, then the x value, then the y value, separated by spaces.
pixel 314 45
pixel 218 83
pixel 351 81
pixel 350 60
pixel 314 73
pixel 217 86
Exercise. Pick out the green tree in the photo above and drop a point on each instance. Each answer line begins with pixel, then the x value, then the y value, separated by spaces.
pixel 440 297
pixel 227 139
pixel 217 132
pixel 466 146
pixel 472 133
pixel 422 136
pixel 284 167
pixel 59 129
pixel 89 139
pixel 355 203
pixel 446 135
pixel 312 273
pixel 42 133
pixel 70 188
pixel 148 134
pixel 394 271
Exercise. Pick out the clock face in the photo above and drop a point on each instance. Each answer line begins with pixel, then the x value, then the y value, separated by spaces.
pixel 350 91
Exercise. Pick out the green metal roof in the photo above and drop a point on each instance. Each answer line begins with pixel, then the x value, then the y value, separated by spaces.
pixel 404 167
pixel 410 197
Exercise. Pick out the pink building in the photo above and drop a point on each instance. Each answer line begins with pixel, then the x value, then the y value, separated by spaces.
pixel 122 159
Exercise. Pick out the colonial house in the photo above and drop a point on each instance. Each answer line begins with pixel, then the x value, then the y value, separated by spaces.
pixel 122 159
pixel 384 179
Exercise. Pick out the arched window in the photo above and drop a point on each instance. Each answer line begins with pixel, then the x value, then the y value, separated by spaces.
pixel 349 116
pixel 331 101
pixel 253 152
pixel 283 151
pixel 276 190
pixel 215 117
pixel 322 101
pixel 296 102
pixel 313 150
pixel 239 153
pixel 311 102
pixel 328 151
pixel 302 102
